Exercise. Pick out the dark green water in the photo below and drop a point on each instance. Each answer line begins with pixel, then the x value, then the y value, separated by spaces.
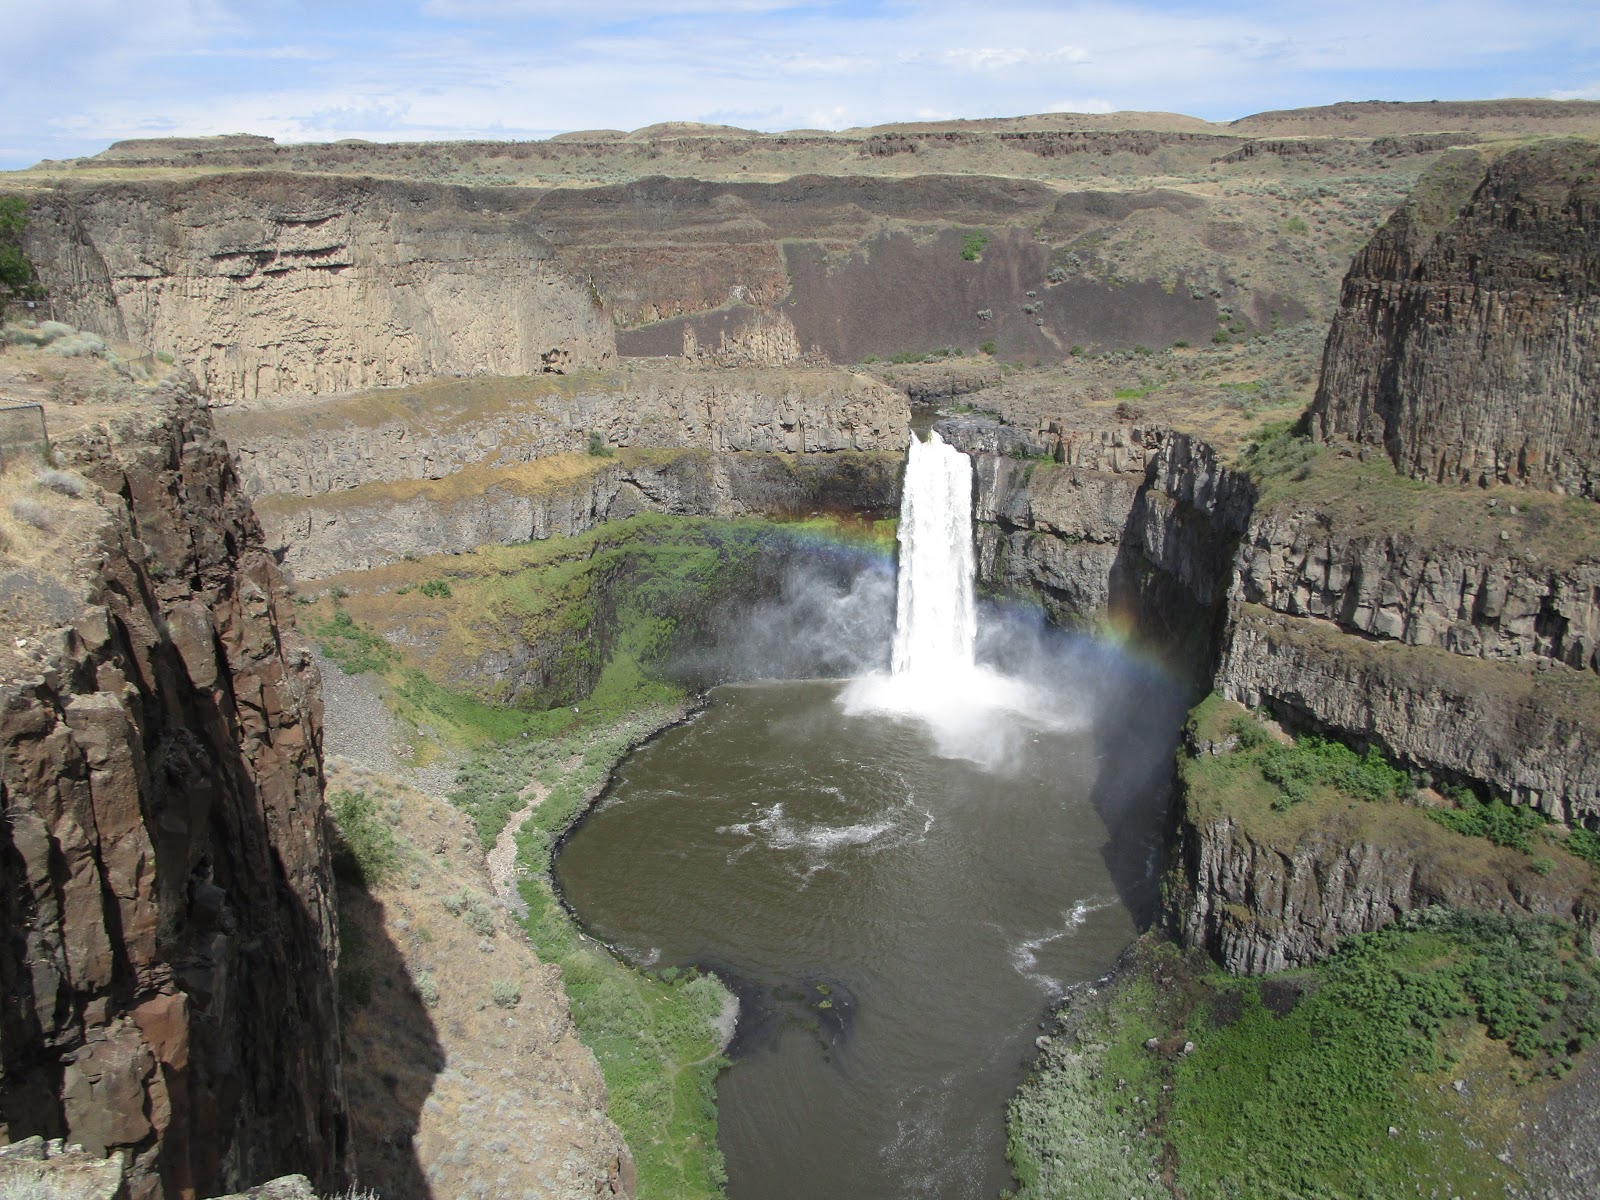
pixel 896 923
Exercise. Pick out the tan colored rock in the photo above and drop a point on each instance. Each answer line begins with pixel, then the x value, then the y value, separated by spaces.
pixel 270 285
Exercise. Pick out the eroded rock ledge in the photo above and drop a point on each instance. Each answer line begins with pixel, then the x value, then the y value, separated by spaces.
pixel 167 969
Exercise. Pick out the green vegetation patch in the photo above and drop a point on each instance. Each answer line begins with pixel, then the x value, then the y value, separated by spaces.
pixel 657 1038
pixel 972 243
pixel 1327 1081
pixel 1313 761
pixel 353 646
pixel 364 849
pixel 1516 826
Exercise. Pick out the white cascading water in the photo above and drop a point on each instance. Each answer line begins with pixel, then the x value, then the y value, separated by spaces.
pixel 970 710
pixel 936 620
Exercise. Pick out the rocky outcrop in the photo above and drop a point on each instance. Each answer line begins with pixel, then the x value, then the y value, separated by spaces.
pixel 1467 341
pixel 433 431
pixel 1090 520
pixel 166 972
pixel 1395 585
pixel 1532 734
pixel 1258 906
pixel 563 496
pixel 269 285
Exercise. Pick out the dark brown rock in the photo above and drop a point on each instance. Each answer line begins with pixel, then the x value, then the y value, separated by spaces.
pixel 1467 341
pixel 166 986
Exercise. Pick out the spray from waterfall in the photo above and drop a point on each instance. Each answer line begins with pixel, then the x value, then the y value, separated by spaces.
pixel 972 711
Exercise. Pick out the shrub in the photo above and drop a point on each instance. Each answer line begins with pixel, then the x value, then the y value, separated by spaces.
pixel 505 993
pixel 1249 731
pixel 972 244
pixel 63 482
pixel 31 512
pixel 427 988
pixel 1221 336
pixel 1503 824
pixel 165 356
pixel 438 589
pixel 597 445
pixel 16 270
pixel 364 849
pixel 472 909
pixel 1585 843
pixel 987 348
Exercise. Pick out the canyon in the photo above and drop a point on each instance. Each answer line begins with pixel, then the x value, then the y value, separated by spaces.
pixel 394 374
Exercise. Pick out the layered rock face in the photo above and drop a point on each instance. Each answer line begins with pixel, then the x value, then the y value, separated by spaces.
pixel 1467 341
pixel 1127 519
pixel 1532 734
pixel 364 481
pixel 562 496
pixel 1259 907
pixel 1395 585
pixel 433 431
pixel 166 985
pixel 268 285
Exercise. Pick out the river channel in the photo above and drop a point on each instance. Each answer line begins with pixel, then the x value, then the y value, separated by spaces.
pixel 895 921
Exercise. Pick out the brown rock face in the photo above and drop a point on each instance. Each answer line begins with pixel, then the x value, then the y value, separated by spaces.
pixel 269 285
pixel 1467 341
pixel 166 986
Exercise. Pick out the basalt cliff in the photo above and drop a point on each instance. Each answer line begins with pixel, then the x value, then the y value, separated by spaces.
pixel 166 975
pixel 1449 623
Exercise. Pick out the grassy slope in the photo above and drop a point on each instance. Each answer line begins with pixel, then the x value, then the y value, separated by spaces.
pixel 1334 1081
pixel 656 1036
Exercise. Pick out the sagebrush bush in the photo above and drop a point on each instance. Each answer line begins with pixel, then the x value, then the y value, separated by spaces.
pixel 427 988
pixel 63 482
pixel 364 849
pixel 505 992
pixel 31 512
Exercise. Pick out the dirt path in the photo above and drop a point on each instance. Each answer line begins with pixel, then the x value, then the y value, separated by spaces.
pixel 503 858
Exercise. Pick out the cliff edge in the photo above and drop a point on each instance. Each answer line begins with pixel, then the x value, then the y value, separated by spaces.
pixel 166 973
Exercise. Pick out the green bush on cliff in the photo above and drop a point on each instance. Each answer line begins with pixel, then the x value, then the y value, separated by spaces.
pixel 1315 761
pixel 17 280
pixel 1324 1081
pixel 364 849
pixel 1503 824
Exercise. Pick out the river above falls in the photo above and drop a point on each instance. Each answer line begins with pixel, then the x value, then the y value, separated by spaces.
pixel 896 923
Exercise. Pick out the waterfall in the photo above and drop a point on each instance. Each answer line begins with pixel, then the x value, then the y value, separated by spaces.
pixel 936 623
pixel 971 711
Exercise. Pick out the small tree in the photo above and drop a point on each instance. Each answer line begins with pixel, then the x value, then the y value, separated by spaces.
pixel 16 270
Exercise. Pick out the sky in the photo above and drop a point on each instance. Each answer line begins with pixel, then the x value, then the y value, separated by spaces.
pixel 76 75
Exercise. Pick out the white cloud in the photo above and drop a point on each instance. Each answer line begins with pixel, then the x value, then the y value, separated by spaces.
pixel 82 74
pixel 1094 105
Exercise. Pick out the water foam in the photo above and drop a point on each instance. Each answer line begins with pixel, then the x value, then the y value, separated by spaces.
pixel 1025 954
pixel 936 678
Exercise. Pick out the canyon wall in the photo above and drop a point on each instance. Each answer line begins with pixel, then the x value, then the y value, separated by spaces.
pixel 363 481
pixel 561 496
pixel 166 974
pixel 432 431
pixel 1467 339
pixel 1355 587
pixel 268 285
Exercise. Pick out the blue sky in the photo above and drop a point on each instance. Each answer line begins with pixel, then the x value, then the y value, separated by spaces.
pixel 80 74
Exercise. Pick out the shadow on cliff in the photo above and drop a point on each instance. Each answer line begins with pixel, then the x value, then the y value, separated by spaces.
pixel 391 1049
pixel 1168 595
